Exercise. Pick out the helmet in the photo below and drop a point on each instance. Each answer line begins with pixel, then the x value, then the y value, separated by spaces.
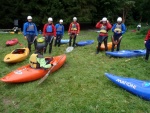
pixel 29 17
pixel 50 19
pixel 119 19
pixel 74 18
pixel 60 20
pixel 40 40
pixel 104 19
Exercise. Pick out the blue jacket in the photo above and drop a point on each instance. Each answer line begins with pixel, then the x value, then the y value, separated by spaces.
pixel 29 28
pixel 123 28
pixel 59 29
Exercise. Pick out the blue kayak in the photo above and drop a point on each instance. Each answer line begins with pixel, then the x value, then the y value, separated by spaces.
pixel 137 87
pixel 86 42
pixel 127 53
pixel 64 41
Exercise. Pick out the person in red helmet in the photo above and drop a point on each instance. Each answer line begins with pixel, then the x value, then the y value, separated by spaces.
pixel 73 31
pixel 49 32
pixel 104 26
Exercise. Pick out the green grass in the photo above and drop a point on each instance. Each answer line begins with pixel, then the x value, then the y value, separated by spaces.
pixel 80 85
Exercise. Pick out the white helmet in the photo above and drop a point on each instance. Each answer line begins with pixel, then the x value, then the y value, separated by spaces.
pixel 104 19
pixel 61 20
pixel 74 18
pixel 119 19
pixel 29 17
pixel 50 19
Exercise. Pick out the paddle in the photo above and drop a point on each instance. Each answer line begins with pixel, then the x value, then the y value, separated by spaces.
pixel 33 41
pixel 69 49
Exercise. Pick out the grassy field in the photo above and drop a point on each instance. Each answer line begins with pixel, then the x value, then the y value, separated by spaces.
pixel 80 85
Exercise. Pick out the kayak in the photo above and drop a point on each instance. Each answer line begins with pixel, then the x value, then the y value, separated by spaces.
pixel 17 55
pixel 12 42
pixel 64 41
pixel 109 45
pixel 137 87
pixel 126 53
pixel 27 74
pixel 86 42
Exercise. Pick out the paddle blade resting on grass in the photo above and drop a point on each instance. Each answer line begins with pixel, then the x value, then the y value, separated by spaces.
pixel 69 49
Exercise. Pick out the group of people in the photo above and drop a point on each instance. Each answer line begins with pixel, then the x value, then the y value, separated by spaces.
pixel 118 30
pixel 50 32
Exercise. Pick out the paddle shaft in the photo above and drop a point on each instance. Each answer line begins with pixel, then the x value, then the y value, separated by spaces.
pixel 42 79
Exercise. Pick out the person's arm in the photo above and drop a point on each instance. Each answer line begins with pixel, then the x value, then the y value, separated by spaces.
pixel 36 32
pixel 63 29
pixel 109 26
pixel 113 28
pixel 123 29
pixel 24 29
pixel 98 25
pixel 78 28
pixel 69 30
pixel 54 30
pixel 147 36
pixel 44 31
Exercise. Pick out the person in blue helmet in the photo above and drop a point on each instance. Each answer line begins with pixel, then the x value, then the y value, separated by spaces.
pixel 118 29
pixel 30 32
pixel 59 32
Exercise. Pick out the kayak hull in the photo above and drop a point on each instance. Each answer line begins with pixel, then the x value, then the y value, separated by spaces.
pixel 64 41
pixel 127 53
pixel 27 74
pixel 137 87
pixel 15 57
pixel 86 42
pixel 109 46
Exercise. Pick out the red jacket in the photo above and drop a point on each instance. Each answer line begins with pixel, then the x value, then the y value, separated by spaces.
pixel 108 27
pixel 147 35
pixel 74 28
pixel 45 33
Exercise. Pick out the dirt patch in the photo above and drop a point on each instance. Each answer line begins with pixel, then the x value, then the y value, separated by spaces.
pixel 9 102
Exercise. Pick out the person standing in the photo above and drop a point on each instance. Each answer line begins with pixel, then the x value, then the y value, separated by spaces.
pixel 49 32
pixel 73 31
pixel 104 27
pixel 30 32
pixel 59 32
pixel 147 44
pixel 118 29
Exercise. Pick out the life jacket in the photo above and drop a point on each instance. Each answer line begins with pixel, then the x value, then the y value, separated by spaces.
pixel 30 27
pixel 74 27
pixel 33 61
pixel 49 28
pixel 103 29
pixel 59 28
pixel 118 28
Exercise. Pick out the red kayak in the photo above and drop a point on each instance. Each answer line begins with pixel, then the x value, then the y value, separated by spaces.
pixel 12 42
pixel 27 74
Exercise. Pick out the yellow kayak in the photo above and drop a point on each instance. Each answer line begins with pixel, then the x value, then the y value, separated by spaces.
pixel 17 55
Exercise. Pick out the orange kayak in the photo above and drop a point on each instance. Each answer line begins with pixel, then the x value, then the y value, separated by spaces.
pixel 109 45
pixel 17 55
pixel 26 73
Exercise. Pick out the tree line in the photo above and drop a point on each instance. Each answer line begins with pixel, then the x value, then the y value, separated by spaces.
pixel 87 11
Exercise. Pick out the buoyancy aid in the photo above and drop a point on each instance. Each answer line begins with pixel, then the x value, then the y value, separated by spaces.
pixel 118 28
pixel 33 61
pixel 30 27
pixel 59 28
pixel 74 26
pixel 103 29
pixel 49 28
